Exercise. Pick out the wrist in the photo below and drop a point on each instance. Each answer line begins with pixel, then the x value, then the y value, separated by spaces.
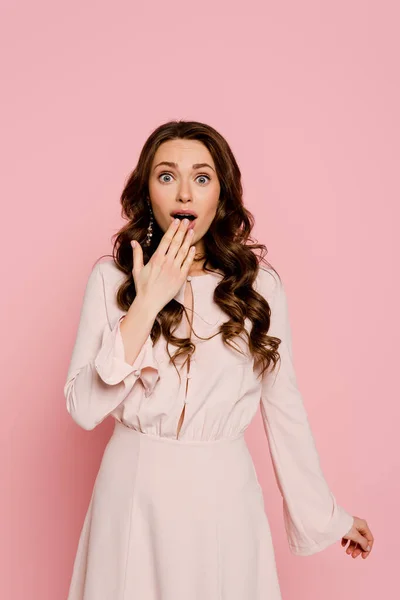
pixel 148 310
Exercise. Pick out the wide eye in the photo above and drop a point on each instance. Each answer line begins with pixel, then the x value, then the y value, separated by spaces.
pixel 165 174
pixel 204 177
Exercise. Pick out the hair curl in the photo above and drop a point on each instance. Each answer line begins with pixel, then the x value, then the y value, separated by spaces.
pixel 229 248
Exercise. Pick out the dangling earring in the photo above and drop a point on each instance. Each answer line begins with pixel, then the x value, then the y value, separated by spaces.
pixel 150 227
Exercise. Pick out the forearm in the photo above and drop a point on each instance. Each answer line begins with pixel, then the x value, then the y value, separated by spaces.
pixel 136 327
pixel 105 366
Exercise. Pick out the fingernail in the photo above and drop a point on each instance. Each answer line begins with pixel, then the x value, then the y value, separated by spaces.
pixel 133 242
pixel 368 548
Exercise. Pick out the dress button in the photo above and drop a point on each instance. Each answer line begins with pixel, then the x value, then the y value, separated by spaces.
pixel 189 375
pixel 136 373
pixel 189 278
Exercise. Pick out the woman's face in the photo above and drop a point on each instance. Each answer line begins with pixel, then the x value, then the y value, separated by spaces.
pixel 191 183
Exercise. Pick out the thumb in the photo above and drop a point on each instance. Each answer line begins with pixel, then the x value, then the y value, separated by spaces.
pixel 137 256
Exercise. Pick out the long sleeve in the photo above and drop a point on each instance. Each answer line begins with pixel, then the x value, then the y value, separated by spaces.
pixel 99 379
pixel 313 518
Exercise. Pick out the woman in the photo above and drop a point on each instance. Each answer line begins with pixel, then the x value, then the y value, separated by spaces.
pixel 177 512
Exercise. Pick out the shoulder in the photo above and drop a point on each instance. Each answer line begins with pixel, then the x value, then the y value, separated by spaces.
pixel 108 278
pixel 109 270
pixel 105 275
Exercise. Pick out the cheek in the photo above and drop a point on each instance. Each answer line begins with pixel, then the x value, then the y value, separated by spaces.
pixel 161 194
pixel 210 204
pixel 211 212
pixel 206 221
pixel 160 202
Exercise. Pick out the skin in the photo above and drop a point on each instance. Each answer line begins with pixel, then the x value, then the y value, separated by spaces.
pixel 360 537
pixel 183 186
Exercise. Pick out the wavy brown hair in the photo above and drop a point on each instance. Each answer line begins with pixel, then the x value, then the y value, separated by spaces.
pixel 228 246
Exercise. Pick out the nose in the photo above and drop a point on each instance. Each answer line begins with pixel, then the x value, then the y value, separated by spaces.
pixel 184 193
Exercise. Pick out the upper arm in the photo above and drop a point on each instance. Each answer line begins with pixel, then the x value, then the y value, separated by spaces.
pixel 92 322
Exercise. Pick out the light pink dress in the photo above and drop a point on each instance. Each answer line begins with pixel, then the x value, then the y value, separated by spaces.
pixel 183 518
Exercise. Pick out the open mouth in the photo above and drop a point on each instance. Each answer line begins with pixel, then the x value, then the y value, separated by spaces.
pixel 182 216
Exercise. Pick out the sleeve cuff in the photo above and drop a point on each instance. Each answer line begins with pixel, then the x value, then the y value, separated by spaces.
pixel 302 545
pixel 110 361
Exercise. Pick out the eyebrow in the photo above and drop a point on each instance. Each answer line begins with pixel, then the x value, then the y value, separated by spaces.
pixel 175 165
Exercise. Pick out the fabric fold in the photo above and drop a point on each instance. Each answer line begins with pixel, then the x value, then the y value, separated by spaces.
pixel 110 361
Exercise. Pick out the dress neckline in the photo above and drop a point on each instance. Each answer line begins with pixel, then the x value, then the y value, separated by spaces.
pixel 201 284
pixel 204 275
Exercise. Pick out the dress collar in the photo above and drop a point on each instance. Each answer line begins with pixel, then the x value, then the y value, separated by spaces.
pixel 199 283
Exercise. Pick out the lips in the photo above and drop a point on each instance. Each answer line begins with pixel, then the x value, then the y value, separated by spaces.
pixel 190 214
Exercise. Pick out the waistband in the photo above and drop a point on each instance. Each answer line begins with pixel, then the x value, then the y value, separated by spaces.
pixel 123 430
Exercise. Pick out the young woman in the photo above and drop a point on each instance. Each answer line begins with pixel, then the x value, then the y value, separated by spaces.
pixel 180 339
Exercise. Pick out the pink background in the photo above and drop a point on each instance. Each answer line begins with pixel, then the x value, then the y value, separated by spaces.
pixel 307 94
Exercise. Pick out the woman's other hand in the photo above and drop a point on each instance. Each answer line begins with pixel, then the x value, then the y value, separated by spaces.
pixel 361 539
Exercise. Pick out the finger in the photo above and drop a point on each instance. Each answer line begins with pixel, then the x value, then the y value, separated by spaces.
pixel 188 260
pixel 357 551
pixel 365 531
pixel 137 257
pixel 368 535
pixel 370 540
pixel 170 242
pixel 366 553
pixel 177 241
pixel 165 241
pixel 363 542
pixel 351 547
pixel 183 250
